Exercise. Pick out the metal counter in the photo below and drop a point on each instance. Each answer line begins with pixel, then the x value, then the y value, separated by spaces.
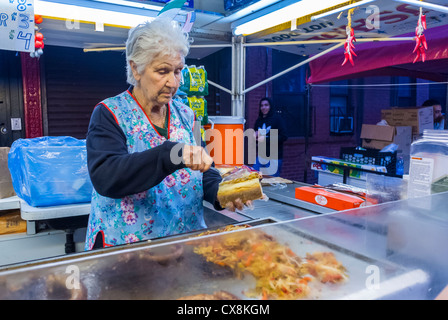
pixel 286 195
pixel 282 204
pixel 403 261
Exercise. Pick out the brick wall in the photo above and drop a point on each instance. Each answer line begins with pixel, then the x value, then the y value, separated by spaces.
pixel 367 103
pixel 298 151
pixel 259 66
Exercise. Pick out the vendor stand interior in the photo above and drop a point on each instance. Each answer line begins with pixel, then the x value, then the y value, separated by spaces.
pixel 388 251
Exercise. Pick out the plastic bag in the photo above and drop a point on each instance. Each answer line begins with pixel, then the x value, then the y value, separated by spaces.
pixel 232 181
pixel 390 148
pixel 194 81
pixel 381 189
pixel 49 171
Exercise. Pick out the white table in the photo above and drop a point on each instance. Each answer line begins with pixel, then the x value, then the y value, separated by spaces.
pixel 10 203
pixel 30 213
pixel 32 244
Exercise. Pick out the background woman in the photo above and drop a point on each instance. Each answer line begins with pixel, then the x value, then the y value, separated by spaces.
pixel 269 151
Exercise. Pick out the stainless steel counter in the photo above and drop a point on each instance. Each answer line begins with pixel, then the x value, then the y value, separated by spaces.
pixel 281 205
pixel 286 195
pixel 390 251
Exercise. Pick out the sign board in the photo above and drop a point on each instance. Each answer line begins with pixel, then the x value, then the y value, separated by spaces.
pixel 17 25
pixel 379 19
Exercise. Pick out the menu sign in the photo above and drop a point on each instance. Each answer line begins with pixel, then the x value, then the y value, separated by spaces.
pixel 17 25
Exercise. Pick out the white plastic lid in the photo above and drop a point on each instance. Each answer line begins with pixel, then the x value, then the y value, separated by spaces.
pixel 226 120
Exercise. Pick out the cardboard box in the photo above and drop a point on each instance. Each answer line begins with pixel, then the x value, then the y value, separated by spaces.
pixel 378 137
pixel 6 189
pixel 11 222
pixel 329 198
pixel 419 118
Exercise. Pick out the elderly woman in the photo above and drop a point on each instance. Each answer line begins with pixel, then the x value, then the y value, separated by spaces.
pixel 149 175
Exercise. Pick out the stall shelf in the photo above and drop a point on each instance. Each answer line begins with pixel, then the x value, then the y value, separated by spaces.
pixel 408 262
pixel 10 203
pixel 38 242
pixel 31 214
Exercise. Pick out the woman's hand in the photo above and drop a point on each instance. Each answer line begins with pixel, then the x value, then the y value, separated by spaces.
pixel 238 205
pixel 196 158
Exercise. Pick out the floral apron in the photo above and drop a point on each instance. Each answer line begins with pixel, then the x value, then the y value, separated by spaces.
pixel 171 207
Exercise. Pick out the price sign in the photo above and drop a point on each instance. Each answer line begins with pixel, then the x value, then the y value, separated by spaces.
pixel 17 25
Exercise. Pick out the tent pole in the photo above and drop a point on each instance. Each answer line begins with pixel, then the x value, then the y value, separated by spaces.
pixel 238 76
pixel 307 131
pixel 294 67
pixel 285 43
pixel 256 44
pixel 219 86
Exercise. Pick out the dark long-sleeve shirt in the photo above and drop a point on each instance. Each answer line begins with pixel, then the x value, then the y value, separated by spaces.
pixel 115 173
pixel 272 121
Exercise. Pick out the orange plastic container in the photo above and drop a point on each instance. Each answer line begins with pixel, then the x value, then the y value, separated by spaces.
pixel 329 198
pixel 224 138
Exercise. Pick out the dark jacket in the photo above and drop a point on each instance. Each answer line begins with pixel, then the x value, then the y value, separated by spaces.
pixel 272 121
pixel 138 171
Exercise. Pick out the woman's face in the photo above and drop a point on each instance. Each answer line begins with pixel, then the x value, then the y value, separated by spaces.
pixel 265 107
pixel 160 79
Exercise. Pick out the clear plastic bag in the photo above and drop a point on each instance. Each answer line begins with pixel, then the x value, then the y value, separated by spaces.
pixel 242 172
pixel 233 179
pixel 49 171
pixel 381 189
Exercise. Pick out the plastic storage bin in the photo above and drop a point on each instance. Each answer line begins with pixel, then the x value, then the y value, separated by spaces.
pixel 371 156
pixel 50 171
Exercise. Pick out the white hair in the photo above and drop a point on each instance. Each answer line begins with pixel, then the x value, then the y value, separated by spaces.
pixel 151 39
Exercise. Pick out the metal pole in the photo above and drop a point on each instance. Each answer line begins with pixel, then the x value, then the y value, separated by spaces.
pixel 219 86
pixel 294 67
pixel 255 44
pixel 307 131
pixel 211 45
pixel 194 46
pixel 238 77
